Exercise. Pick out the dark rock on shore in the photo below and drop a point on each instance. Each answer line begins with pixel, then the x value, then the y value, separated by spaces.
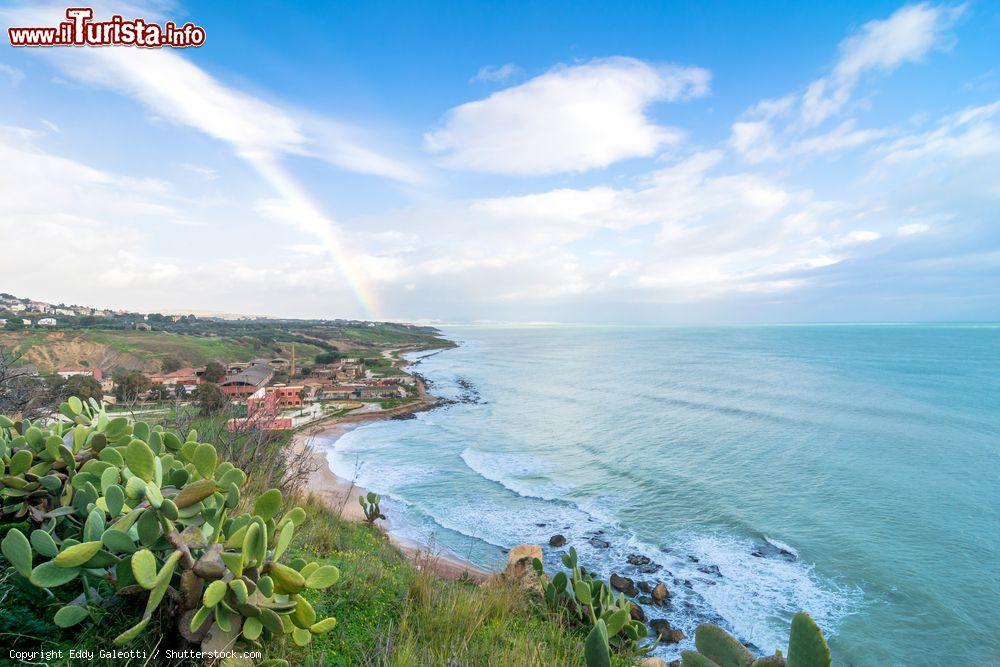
pixel 768 550
pixel 637 613
pixel 637 559
pixel 557 540
pixel 666 634
pixel 692 559
pixel 651 568
pixel 623 584
pixel 710 569
pixel 645 587
pixel 598 543
pixel 645 599
pixel 660 593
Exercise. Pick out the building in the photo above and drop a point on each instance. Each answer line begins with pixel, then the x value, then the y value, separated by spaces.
pixel 278 397
pixel 182 377
pixel 26 322
pixel 381 391
pixel 3 322
pixel 70 371
pixel 17 307
pixel 246 382
pixel 334 393
pixel 46 321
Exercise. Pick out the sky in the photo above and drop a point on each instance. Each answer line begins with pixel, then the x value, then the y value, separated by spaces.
pixel 613 162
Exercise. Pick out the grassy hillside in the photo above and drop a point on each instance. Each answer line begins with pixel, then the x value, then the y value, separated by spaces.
pixel 195 345
pixel 136 349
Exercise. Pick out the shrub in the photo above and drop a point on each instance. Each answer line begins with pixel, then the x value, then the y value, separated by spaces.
pixel 116 508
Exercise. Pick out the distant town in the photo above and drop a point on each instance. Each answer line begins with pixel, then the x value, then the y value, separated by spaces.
pixel 268 374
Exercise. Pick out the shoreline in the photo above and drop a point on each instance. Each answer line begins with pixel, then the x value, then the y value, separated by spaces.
pixel 341 495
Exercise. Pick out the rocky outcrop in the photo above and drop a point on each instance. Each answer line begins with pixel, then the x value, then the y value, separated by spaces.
pixel 665 633
pixel 519 567
pixel 623 584
pixel 652 662
pixel 637 613
pixel 557 540
pixel 637 559
pixel 599 543
pixel 660 593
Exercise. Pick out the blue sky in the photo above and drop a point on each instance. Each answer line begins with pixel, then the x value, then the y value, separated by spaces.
pixel 576 162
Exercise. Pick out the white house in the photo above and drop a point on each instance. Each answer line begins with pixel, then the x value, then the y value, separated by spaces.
pixel 26 322
pixel 47 322
pixel 16 307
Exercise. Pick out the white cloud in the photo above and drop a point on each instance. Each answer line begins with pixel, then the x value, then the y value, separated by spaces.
pixel 970 133
pixel 904 37
pixel 493 73
pixel 774 128
pixel 569 119
pixel 913 229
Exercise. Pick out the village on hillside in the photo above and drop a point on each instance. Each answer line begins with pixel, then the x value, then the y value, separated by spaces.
pixel 274 395
pixel 147 362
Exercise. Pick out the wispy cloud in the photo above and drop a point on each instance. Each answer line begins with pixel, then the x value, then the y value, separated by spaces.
pixel 777 128
pixel 495 73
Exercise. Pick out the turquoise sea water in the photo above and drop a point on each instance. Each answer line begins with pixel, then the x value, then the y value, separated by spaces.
pixel 870 454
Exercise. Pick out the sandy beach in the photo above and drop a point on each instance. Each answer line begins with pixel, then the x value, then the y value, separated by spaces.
pixel 341 495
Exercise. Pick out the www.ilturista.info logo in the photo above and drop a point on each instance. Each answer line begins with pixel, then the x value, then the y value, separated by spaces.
pixel 81 30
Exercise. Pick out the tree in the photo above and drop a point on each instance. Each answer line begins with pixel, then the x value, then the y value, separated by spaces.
pixel 214 372
pixel 22 392
pixel 81 386
pixel 160 393
pixel 327 358
pixel 170 364
pixel 130 386
pixel 210 398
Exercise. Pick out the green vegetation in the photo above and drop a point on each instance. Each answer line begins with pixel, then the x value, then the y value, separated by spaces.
pixel 108 506
pixel 592 604
pixel 370 506
pixel 717 648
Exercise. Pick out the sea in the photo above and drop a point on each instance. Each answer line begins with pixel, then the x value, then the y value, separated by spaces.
pixel 851 471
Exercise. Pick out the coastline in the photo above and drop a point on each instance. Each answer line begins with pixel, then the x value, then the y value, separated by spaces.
pixel 341 495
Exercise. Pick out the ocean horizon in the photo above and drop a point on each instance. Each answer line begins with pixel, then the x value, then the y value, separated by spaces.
pixel 847 470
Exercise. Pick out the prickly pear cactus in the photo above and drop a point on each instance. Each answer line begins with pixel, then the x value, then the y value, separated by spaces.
pixel 717 648
pixel 590 601
pixel 370 506
pixel 806 646
pixel 722 648
pixel 145 509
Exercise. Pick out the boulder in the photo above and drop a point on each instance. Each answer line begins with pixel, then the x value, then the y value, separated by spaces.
pixel 637 613
pixel 645 599
pixel 710 569
pixel 660 593
pixel 652 662
pixel 598 543
pixel 519 567
pixel 661 628
pixel 557 540
pixel 675 636
pixel 637 559
pixel 645 587
pixel 650 568
pixel 623 584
